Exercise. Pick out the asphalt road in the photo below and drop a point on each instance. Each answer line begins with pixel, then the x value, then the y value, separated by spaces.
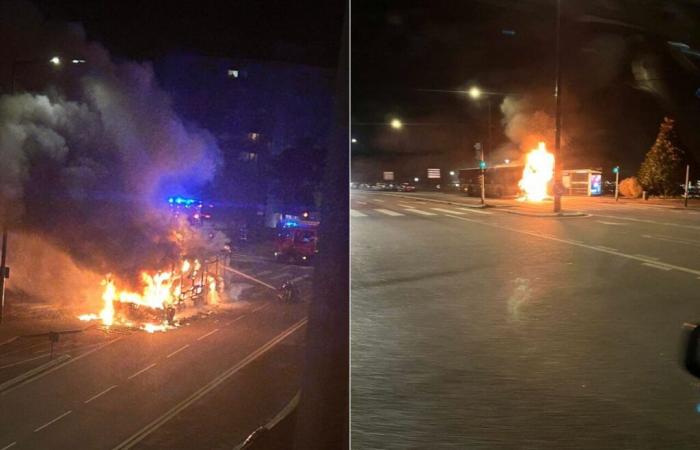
pixel 482 329
pixel 205 384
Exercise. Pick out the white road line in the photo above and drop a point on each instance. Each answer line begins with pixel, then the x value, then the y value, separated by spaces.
pixel 652 258
pixel 279 275
pixel 54 420
pixel 71 360
pixel 355 213
pixel 418 211
pixel 9 445
pixel 261 307
pixel 17 363
pixel 361 203
pixel 692 227
pixel 657 266
pixel 269 286
pixel 611 223
pixel 377 200
pixel 297 279
pixel 448 211
pixel 236 319
pixel 204 390
pixel 265 272
pixel 474 210
pixel 406 205
pixel 100 394
pixel 388 212
pixel 672 239
pixel 578 244
pixel 141 371
pixel 607 248
pixel 178 350
pixel 207 334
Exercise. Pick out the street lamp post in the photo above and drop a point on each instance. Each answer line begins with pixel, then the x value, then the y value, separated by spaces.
pixel 557 120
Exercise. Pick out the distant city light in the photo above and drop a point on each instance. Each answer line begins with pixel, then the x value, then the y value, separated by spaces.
pixel 416 179
pixel 55 60
pixel 233 73
pixel 507 161
pixel 475 92
pixel 78 61
pixel 508 32
pixel 452 172
pixel 396 124
pixel 353 140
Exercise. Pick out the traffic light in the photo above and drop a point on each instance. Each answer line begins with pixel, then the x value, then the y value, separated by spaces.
pixel 616 169
pixel 482 165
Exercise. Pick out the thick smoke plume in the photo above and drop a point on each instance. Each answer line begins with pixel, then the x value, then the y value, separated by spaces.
pixel 89 154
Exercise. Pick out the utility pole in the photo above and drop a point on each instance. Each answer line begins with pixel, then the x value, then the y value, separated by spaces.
pixel 482 165
pixel 687 176
pixel 557 120
pixel 4 272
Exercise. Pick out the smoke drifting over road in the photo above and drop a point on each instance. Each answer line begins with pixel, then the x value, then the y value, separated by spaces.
pixel 89 154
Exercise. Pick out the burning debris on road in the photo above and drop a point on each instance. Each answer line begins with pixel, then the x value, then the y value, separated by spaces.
pixel 164 293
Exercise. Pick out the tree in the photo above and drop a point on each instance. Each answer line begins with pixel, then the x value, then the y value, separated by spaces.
pixel 661 170
pixel 630 187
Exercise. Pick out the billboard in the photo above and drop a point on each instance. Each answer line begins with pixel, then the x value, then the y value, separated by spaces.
pixel 388 176
pixel 433 173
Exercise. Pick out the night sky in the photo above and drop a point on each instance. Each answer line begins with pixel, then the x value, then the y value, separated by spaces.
pixel 305 32
pixel 610 117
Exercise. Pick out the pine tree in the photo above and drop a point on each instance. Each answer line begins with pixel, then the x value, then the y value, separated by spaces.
pixel 661 170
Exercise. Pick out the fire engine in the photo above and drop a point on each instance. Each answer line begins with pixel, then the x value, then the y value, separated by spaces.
pixel 297 241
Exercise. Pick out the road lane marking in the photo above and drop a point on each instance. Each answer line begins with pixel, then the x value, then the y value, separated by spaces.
pixel 207 334
pixel 9 445
pixel 261 307
pixel 418 211
pixel 448 211
pixel 278 276
pixel 474 210
pixel 606 248
pixel 236 319
pixel 377 200
pixel 265 272
pixel 297 279
pixel 100 394
pixel 355 213
pixel 361 203
pixel 388 212
pixel 672 239
pixel 53 421
pixel 250 278
pixel 141 371
pixel 178 350
pixel 204 390
pixel 17 363
pixel 611 223
pixel 71 360
pixel 692 227
pixel 579 244
pixel 653 258
pixel 406 205
pixel 657 266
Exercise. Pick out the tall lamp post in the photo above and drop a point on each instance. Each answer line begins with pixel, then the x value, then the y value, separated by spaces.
pixel 4 270
pixel 558 187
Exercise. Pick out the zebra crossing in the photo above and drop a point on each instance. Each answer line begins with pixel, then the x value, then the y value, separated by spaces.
pixel 404 210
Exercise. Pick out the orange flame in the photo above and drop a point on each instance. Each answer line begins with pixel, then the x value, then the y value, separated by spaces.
pixel 538 172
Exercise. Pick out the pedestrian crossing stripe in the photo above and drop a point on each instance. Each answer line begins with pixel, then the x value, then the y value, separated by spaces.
pixel 474 210
pixel 388 212
pixel 418 211
pixel 448 211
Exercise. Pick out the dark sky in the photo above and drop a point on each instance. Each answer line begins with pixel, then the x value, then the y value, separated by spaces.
pixel 400 47
pixel 306 32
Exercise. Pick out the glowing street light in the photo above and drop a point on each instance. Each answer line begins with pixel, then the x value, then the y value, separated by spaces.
pixel 353 140
pixel 475 92
pixel 452 172
pixel 55 61
pixel 396 124
pixel 416 179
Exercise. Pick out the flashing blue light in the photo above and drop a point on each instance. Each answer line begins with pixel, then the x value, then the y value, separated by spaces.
pixel 170 200
pixel 290 224
pixel 182 201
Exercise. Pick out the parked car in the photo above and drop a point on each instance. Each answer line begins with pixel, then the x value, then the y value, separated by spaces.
pixel 405 187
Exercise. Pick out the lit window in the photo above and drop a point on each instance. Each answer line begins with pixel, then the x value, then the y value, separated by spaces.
pixel 253 136
pixel 232 73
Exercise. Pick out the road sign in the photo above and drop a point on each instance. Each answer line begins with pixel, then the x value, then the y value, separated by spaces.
pixel 482 165
pixel 433 173
pixel 388 176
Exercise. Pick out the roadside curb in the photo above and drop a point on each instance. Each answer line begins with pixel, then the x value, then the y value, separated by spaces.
pixel 258 433
pixel 32 373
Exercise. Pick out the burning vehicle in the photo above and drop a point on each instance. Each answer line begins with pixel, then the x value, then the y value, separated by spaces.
pixel 163 295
